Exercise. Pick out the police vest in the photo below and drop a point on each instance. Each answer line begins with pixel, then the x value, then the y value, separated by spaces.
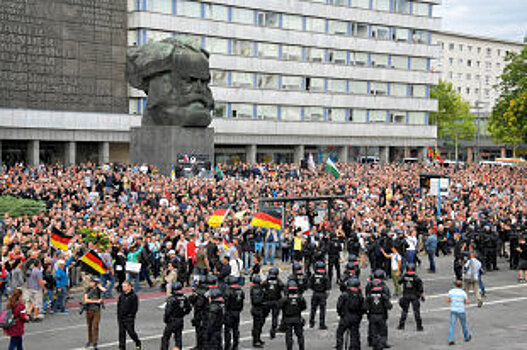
pixel 292 306
pixel 235 299
pixel 319 283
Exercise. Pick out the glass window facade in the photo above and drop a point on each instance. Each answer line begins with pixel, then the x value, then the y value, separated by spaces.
pixel 242 16
pixel 337 115
pixel 241 111
pixel 216 12
pixel 358 115
pixel 267 112
pixel 291 114
pixel 267 81
pixel 292 22
pixel 189 8
pixel 314 114
pixel 268 50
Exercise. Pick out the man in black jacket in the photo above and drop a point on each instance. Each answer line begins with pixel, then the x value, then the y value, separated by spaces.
pixel 126 311
pixel 292 306
pixel 177 307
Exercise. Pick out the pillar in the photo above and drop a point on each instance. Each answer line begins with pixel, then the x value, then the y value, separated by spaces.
pixel 407 152
pixel 384 154
pixel 503 152
pixel 0 152
pixel 299 154
pixel 470 155
pixel 104 152
pixel 343 154
pixel 422 153
pixel 250 151
pixel 70 153
pixel 33 152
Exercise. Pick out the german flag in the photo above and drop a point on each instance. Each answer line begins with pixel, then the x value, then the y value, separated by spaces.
pixel 269 218
pixel 218 215
pixel 94 263
pixel 58 239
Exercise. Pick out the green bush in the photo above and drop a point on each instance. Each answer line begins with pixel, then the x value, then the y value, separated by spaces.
pixel 17 207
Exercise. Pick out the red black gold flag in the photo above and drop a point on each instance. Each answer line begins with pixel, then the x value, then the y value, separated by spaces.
pixel 218 215
pixel 58 239
pixel 269 218
pixel 94 263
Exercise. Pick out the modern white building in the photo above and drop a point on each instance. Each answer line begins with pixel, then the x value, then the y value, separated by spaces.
pixel 292 77
pixel 474 66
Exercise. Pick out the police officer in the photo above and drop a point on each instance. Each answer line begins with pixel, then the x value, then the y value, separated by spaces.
pixel 377 304
pixel 292 306
pixel 177 307
pixel 234 297
pixel 301 281
pixel 319 283
pixel 459 256
pixel 352 269
pixel 273 289
pixel 200 303
pixel 258 310
pixel 412 294
pixel 215 320
pixel 333 257
pixel 350 308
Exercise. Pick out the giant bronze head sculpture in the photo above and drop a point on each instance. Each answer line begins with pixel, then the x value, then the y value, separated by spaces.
pixel 175 76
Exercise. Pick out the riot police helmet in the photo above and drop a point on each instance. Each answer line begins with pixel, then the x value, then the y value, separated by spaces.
pixel 273 272
pixel 176 288
pixel 379 274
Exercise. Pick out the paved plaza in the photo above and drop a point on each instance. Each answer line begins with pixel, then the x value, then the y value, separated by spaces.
pixel 500 323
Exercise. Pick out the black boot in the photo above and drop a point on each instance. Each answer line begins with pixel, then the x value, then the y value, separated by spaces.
pixel 401 326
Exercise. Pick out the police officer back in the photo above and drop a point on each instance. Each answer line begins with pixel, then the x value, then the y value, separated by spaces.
pixel 350 308
pixel 377 304
pixel 320 285
pixel 292 306
pixel 273 289
pixel 333 257
pixel 412 294
pixel 177 307
pixel 234 297
pixel 214 321
pixel 258 310
pixel 200 303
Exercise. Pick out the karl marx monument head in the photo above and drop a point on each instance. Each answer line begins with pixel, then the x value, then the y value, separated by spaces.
pixel 175 76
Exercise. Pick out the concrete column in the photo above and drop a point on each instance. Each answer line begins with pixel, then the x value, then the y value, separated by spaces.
pixel 70 153
pixel 104 152
pixel 422 153
pixel 343 154
pixel 33 153
pixel 470 155
pixel 384 154
pixel 407 152
pixel 250 152
pixel 503 152
pixel 299 154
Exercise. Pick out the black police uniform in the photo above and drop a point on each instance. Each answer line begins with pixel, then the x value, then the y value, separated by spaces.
pixel 214 322
pixel 234 297
pixel 459 257
pixel 177 307
pixel 333 258
pixel 200 303
pixel 319 283
pixel 412 293
pixel 258 311
pixel 301 282
pixel 292 306
pixel 126 311
pixel 350 308
pixel 273 289
pixel 377 305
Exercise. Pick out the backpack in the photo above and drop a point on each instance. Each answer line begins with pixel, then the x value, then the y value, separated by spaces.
pixel 7 320
pixel 354 302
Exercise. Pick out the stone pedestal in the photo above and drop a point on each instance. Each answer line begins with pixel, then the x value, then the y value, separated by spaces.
pixel 164 146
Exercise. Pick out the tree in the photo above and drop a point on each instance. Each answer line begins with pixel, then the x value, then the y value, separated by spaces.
pixel 453 118
pixel 508 121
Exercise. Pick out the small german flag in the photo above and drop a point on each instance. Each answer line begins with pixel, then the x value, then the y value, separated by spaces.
pixel 269 218
pixel 58 239
pixel 218 215
pixel 94 263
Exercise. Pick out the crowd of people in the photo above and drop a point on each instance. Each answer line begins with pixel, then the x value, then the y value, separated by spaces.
pixel 160 223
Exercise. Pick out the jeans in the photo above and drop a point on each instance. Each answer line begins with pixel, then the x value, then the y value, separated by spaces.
pixel 134 276
pixel 104 281
pixel 454 316
pixel 59 303
pixel 286 254
pixel 481 285
pixel 270 252
pixel 258 247
pixel 15 343
pixel 410 256
pixel 247 261
pixel 432 261
pixel 145 274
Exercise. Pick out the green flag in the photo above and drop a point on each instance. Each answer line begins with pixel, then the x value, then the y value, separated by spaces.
pixel 332 168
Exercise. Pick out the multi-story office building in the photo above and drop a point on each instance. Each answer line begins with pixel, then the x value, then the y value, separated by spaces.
pixel 474 65
pixel 291 77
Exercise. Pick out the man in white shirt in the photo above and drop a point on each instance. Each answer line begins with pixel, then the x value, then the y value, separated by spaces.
pixel 472 270
pixel 236 266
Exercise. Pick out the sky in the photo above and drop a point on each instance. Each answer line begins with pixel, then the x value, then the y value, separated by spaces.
pixel 503 19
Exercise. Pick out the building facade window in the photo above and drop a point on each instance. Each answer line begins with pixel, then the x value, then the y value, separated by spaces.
pixel 267 81
pixel 189 8
pixel 315 55
pixel 219 78
pixel 337 115
pixel 267 112
pixel 216 12
pixel 268 19
pixel 338 27
pixel 292 114
pixel 337 86
pixel 291 83
pixel 358 87
pixel 242 80
pixel 314 114
pixel 291 53
pixel 402 6
pixel 242 16
pixel 316 25
pixel 292 22
pixel 216 45
pixel 358 115
pixel 268 50
pixel 241 111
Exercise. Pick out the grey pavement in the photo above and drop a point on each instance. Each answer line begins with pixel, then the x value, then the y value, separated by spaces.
pixel 500 323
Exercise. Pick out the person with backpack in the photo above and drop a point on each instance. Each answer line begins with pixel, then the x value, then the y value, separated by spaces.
pixel 234 298
pixel 15 328
pixel 178 306
pixel 292 306
pixel 350 308
pixel 413 294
